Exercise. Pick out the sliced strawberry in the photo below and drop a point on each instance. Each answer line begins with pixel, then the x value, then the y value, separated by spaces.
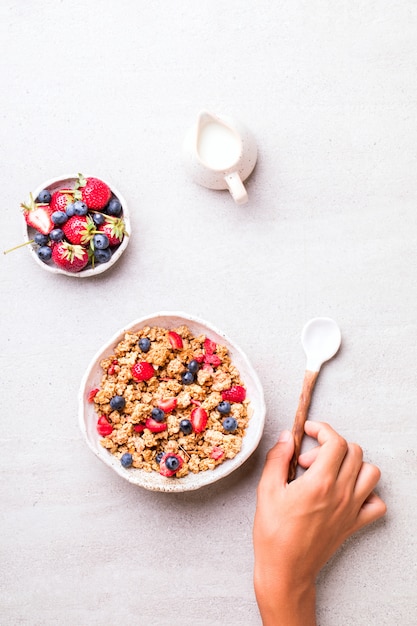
pixel 139 428
pixel 38 216
pixel 175 340
pixel 209 346
pixel 216 453
pixel 208 368
pixel 196 402
pixel 104 427
pixel 69 257
pixel 143 371
pixel 40 220
pixel 163 469
pixel 199 358
pixel 237 393
pixel 154 426
pixel 92 394
pixel 79 229
pixel 199 419
pixel 167 405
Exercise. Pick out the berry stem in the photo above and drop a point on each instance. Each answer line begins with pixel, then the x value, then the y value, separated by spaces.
pixel 19 246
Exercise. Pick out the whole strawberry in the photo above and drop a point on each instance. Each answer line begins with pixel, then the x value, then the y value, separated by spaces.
pixel 115 230
pixel 94 192
pixel 79 229
pixel 60 199
pixel 69 257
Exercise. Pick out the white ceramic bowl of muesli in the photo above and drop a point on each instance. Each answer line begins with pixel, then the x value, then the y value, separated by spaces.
pixel 68 182
pixel 125 439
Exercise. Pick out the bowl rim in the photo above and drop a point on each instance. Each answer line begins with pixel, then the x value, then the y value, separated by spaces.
pixel 190 482
pixel 100 267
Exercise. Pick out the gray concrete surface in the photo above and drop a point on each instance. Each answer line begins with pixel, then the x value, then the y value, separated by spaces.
pixel 110 88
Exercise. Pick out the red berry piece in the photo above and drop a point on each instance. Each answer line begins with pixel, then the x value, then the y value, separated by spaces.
pixel 213 359
pixel 234 394
pixel 175 340
pixel 92 394
pixel 209 346
pixel 154 426
pixel 104 427
pixel 167 405
pixel 113 367
pixel 199 419
pixel 143 371
pixel 170 464
pixel 199 358
pixel 216 453
pixel 139 428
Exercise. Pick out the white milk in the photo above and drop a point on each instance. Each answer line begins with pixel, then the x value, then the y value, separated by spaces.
pixel 218 146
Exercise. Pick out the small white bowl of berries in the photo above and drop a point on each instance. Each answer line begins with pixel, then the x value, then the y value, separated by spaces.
pixel 171 404
pixel 76 225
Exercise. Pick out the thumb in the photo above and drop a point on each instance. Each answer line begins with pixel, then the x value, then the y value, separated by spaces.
pixel 278 461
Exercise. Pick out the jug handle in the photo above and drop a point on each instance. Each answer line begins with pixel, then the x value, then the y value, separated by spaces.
pixel 236 188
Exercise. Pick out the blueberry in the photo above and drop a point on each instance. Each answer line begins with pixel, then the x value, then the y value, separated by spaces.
pixel 98 219
pixel 193 366
pixel 44 196
pixel 230 424
pixel 144 344
pixel 117 403
pixel 80 208
pixel 224 407
pixel 158 415
pixel 56 235
pixel 45 253
pixel 70 209
pixel 114 207
pixel 172 463
pixel 101 241
pixel 41 239
pixel 187 378
pixel 102 256
pixel 186 427
pixel 126 460
pixel 159 456
pixel 59 218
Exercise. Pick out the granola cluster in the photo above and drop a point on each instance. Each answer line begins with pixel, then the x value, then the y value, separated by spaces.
pixel 182 381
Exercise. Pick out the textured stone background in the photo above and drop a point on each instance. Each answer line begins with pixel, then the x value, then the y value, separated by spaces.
pixel 110 88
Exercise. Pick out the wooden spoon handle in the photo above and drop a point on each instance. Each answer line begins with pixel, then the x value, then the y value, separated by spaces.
pixel 300 418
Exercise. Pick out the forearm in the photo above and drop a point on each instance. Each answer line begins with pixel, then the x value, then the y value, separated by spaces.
pixel 282 603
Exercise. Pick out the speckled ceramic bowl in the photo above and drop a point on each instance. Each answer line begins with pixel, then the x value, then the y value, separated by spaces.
pixel 153 480
pixel 68 181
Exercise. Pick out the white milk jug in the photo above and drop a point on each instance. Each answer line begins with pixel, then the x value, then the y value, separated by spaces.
pixel 220 153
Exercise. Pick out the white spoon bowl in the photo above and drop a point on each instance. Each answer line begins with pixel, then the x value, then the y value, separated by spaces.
pixel 320 338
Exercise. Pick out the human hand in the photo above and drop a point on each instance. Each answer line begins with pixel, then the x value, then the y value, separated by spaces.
pixel 299 525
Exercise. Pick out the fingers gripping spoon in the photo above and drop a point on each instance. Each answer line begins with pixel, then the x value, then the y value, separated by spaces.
pixel 321 340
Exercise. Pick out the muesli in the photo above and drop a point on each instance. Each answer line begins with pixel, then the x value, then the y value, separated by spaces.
pixel 170 402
